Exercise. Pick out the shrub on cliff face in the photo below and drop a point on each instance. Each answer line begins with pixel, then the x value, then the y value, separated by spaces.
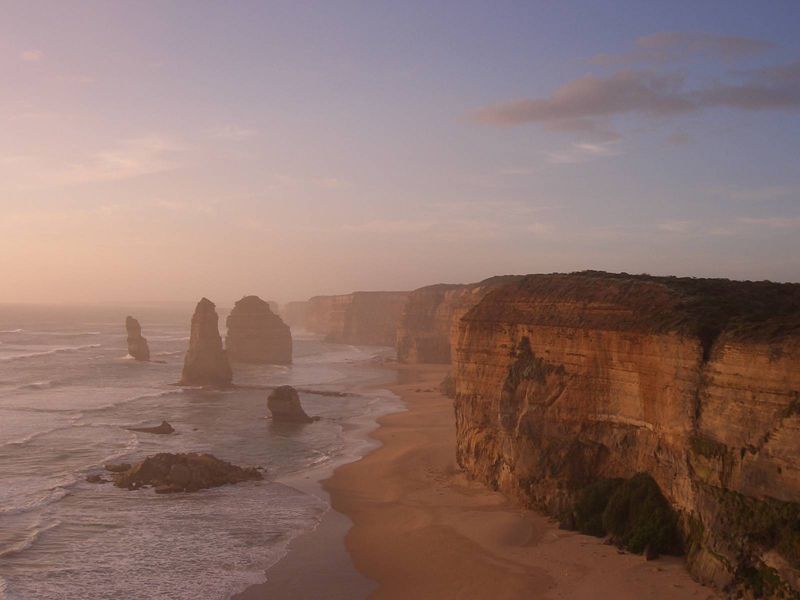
pixel 632 510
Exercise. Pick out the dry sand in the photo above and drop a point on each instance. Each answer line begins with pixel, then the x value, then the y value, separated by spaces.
pixel 421 530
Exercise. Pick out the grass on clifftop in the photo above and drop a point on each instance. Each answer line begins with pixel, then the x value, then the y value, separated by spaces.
pixel 744 309
pixel 633 510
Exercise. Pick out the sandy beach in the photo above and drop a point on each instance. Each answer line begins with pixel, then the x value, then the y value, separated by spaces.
pixel 421 530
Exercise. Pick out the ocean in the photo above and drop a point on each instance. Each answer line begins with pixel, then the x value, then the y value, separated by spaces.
pixel 68 390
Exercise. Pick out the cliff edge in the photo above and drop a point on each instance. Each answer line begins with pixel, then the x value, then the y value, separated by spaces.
pixel 564 380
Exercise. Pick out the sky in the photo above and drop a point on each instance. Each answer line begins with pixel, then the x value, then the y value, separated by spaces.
pixel 164 151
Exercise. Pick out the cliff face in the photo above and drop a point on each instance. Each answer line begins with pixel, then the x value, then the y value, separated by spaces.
pixel 206 363
pixel 137 345
pixel 562 380
pixel 368 318
pixel 294 313
pixel 257 335
pixel 428 327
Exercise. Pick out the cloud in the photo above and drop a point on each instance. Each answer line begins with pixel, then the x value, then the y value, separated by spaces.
pixel 668 46
pixel 540 228
pixel 75 79
pixel 392 226
pixel 676 226
pixel 773 222
pixel 578 104
pixel 232 132
pixel 771 192
pixel 587 129
pixel 129 159
pixel 583 153
pixel 31 55
pixel 678 139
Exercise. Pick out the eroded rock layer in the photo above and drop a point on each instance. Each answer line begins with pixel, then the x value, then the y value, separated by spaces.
pixel 257 335
pixel 206 362
pixel 563 380
pixel 137 345
pixel 428 327
pixel 367 318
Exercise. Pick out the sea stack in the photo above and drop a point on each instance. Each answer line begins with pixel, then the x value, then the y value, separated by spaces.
pixel 137 345
pixel 206 361
pixel 284 404
pixel 257 335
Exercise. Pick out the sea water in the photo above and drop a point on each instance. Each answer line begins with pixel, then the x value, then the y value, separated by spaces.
pixel 68 391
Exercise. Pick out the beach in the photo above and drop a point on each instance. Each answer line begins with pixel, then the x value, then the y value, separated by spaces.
pixel 420 529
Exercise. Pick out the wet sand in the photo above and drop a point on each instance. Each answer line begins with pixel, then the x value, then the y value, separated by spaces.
pixel 421 529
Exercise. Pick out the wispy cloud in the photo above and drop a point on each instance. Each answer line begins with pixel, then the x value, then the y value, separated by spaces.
pixel 678 139
pixel 583 153
pixel 392 226
pixel 31 55
pixel 581 104
pixel 232 132
pixel 74 79
pixel 670 46
pixel 771 192
pixel 673 226
pixel 773 222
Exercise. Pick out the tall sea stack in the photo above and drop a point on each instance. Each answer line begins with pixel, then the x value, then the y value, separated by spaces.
pixel 206 362
pixel 137 345
pixel 257 335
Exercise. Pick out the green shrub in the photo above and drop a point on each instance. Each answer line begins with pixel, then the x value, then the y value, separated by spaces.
pixel 633 510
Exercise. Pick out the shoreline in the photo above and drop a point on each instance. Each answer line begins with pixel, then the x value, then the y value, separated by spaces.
pixel 317 564
pixel 405 522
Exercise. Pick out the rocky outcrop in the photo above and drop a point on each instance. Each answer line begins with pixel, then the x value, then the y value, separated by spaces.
pixel 163 429
pixel 561 381
pixel 137 345
pixel 294 313
pixel 171 473
pixel 428 327
pixel 365 318
pixel 206 362
pixel 257 335
pixel 284 404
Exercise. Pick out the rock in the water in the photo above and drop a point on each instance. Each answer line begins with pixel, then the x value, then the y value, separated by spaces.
pixel 171 473
pixel 119 468
pixel 137 345
pixel 257 335
pixel 162 429
pixel 284 404
pixel 95 479
pixel 206 362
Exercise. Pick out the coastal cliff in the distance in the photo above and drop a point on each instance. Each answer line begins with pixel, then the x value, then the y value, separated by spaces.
pixel 368 318
pixel 429 324
pixel 563 380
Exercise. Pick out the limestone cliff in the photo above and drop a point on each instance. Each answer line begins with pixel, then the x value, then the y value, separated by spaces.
pixel 137 345
pixel 367 318
pixel 206 362
pixel 294 313
pixel 429 324
pixel 563 380
pixel 257 335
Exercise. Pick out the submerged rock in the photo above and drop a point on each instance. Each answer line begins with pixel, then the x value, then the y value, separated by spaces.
pixel 170 473
pixel 284 404
pixel 137 345
pixel 162 429
pixel 206 361
pixel 118 468
pixel 96 479
pixel 257 335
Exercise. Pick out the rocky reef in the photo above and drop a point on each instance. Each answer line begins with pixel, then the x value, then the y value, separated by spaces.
pixel 294 313
pixel 163 429
pixel 284 404
pixel 367 318
pixel 206 362
pixel 428 326
pixel 191 472
pixel 137 345
pixel 257 335
pixel 563 382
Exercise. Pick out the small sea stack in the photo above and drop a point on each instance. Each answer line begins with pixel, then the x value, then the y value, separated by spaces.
pixel 206 362
pixel 257 335
pixel 284 404
pixel 137 345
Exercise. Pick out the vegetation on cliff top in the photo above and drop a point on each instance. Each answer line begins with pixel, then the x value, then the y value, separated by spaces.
pixel 756 310
pixel 633 510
